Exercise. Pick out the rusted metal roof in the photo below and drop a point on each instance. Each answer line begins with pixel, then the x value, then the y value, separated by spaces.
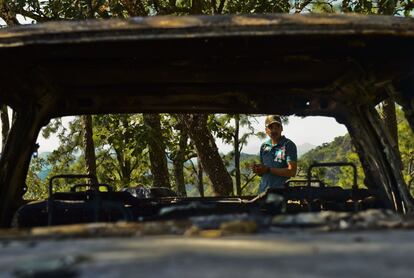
pixel 303 64
pixel 169 27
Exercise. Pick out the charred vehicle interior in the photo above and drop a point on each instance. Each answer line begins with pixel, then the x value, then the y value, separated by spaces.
pixel 308 65
pixel 97 202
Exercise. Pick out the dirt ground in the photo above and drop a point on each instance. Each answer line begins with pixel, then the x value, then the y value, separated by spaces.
pixel 279 253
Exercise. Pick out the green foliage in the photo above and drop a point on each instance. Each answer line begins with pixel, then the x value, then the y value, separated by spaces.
pixel 324 7
pixel 171 128
pixel 121 148
pixel 346 175
pixel 65 159
pixel 335 151
pixel 121 142
pixel 224 128
pixel 250 181
pixel 257 6
pixel 36 189
pixel 339 150
pixel 406 147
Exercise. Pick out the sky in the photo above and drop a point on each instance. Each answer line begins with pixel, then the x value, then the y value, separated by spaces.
pixel 312 130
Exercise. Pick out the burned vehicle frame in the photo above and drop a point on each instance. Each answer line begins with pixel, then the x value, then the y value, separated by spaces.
pixel 331 65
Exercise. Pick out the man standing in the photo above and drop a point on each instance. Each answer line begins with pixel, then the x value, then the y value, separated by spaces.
pixel 278 156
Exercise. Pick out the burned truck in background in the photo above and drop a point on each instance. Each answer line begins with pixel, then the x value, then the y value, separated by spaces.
pixel 305 65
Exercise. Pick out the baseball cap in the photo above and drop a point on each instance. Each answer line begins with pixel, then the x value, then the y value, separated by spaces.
pixel 270 119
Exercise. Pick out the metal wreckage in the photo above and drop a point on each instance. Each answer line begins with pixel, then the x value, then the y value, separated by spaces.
pixel 306 65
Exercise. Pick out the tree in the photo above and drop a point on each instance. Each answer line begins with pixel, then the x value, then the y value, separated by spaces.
pixel 159 167
pixel 199 173
pixel 179 150
pixel 406 147
pixel 8 14
pixel 227 127
pixel 122 152
pixel 178 162
pixel 38 188
pixel 339 150
pixel 208 153
pixel 89 146
pixel 65 159
pixel 237 147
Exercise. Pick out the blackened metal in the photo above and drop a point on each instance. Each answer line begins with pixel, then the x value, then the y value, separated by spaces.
pixel 50 202
pixel 337 164
pixel 333 164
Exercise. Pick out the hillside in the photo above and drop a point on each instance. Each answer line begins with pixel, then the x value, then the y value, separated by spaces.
pixel 337 150
pixel 340 149
pixel 304 148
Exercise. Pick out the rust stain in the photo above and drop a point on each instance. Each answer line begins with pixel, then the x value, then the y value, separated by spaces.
pixel 173 22
pixel 6 35
pixel 247 20
pixel 328 20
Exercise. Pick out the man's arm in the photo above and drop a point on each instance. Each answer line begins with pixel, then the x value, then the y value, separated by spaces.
pixel 290 171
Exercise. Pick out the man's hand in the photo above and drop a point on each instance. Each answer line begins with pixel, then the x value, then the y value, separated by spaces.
pixel 290 171
pixel 260 169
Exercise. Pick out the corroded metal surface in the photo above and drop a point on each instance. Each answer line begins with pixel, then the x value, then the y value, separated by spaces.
pixel 204 26
pixel 302 64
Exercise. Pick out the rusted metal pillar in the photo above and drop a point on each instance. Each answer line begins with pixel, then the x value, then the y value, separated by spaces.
pixel 5 126
pixel 391 159
pixel 15 160
pixel 378 157
pixel 403 93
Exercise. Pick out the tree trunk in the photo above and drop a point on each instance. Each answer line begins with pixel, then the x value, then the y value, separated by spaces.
pixel 208 153
pixel 196 7
pixel 178 163
pixel 390 119
pixel 7 15
pixel 200 184
pixel 237 154
pixel 390 122
pixel 124 167
pixel 89 146
pixel 159 166
pixel 5 125
pixel 387 7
